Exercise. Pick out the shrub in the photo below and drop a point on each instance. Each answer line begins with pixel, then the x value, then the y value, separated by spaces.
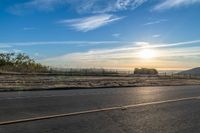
pixel 145 71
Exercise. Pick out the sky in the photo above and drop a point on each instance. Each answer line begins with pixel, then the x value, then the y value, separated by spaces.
pixel 114 34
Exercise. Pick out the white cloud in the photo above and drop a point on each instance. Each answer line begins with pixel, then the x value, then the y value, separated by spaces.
pixel 77 43
pixel 3 45
pixel 129 4
pixel 122 55
pixel 81 6
pixel 90 23
pixel 42 5
pixel 167 4
pixel 104 6
pixel 155 22
pixel 30 28
pixel 94 6
pixel 116 35
pixel 86 43
pixel 156 36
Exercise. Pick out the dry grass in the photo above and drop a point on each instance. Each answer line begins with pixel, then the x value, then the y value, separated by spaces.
pixel 35 82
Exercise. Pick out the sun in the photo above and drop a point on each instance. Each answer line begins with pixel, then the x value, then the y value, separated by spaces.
pixel 147 54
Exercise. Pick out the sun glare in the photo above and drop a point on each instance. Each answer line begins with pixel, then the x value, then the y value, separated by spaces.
pixel 147 54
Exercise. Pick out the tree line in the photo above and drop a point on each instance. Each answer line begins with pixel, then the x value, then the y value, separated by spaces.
pixel 12 62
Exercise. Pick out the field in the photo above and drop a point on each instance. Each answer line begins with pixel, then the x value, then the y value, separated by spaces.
pixel 10 82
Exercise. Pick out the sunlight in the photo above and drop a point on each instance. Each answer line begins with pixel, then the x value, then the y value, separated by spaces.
pixel 147 54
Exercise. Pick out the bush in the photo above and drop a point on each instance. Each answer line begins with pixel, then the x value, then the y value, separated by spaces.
pixel 145 71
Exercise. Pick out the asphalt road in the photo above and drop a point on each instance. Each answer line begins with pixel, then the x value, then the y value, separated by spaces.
pixel 164 110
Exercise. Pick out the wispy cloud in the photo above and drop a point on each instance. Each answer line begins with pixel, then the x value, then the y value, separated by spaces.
pixel 116 35
pixel 86 43
pixel 3 45
pixel 41 5
pixel 81 6
pixel 126 55
pixel 155 22
pixel 77 43
pixel 90 23
pixel 156 35
pixel 167 4
pixel 30 28
pixel 105 6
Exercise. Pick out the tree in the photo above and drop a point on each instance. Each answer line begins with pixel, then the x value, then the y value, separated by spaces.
pixel 19 63
pixel 6 59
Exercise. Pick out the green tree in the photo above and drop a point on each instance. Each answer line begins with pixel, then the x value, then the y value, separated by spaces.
pixel 20 63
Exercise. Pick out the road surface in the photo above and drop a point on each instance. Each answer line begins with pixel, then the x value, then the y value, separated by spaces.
pixel 115 110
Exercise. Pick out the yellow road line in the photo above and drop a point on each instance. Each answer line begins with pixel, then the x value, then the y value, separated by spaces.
pixel 96 110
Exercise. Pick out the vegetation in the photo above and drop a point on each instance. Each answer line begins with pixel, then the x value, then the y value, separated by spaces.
pixel 11 62
pixel 145 71
pixel 92 72
pixel 86 72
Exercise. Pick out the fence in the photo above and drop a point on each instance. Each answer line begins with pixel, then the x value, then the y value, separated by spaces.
pixel 178 76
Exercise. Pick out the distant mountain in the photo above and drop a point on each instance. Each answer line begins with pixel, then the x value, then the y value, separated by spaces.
pixel 194 71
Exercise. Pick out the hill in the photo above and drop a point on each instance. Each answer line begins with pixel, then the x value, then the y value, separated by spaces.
pixel 194 71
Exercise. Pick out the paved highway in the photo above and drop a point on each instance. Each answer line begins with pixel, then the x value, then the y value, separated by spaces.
pixel 115 110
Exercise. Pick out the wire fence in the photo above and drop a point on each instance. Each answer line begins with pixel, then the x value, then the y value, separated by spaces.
pixel 178 76
pixel 107 72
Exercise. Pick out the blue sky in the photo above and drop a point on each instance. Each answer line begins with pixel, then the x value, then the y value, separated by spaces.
pixel 102 33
